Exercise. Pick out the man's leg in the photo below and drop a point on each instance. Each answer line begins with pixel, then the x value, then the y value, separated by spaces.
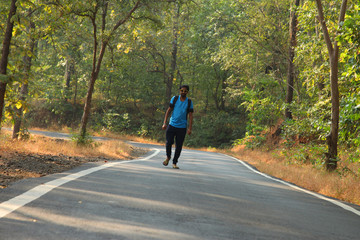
pixel 170 134
pixel 180 137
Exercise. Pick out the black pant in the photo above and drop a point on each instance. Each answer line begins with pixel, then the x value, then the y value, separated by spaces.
pixel 179 135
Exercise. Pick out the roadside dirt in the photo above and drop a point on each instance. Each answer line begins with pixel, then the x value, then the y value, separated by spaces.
pixel 15 165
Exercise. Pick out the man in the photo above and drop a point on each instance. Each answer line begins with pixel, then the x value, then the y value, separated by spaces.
pixel 181 106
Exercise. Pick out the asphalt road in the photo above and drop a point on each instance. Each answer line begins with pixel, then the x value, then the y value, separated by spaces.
pixel 211 196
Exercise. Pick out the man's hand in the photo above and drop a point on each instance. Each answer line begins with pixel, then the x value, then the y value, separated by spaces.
pixel 164 127
pixel 189 131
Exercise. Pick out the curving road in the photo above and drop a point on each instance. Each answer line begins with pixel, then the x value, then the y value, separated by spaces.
pixel 212 196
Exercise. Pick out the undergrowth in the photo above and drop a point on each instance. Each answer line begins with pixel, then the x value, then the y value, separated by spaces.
pixel 303 165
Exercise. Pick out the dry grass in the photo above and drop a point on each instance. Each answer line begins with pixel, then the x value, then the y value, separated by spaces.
pixel 345 187
pixel 106 134
pixel 43 145
pixel 132 138
pixel 40 156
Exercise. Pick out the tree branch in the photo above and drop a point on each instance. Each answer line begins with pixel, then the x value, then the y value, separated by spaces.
pixel 122 21
pixel 324 27
pixel 105 8
pixel 252 37
pixel 341 19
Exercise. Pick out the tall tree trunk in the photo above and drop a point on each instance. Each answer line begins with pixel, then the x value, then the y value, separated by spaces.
pixel 291 67
pixel 19 113
pixel 5 55
pixel 222 98
pixel 97 61
pixel 87 107
pixel 224 77
pixel 69 71
pixel 220 89
pixel 75 95
pixel 333 49
pixel 332 138
pixel 171 78
pixel 67 75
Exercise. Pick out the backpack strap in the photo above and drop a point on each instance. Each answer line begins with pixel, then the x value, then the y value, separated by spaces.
pixel 175 99
pixel 172 105
pixel 189 103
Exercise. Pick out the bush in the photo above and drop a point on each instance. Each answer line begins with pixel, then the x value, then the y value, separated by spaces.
pixel 349 121
pixel 251 141
pixel 218 129
pixel 83 141
pixel 306 154
pixel 53 113
pixel 116 122
pixel 310 124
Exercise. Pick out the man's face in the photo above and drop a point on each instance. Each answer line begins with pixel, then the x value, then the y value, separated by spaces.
pixel 183 91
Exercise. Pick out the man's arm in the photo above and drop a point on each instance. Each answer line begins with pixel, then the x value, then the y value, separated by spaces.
pixel 168 111
pixel 190 123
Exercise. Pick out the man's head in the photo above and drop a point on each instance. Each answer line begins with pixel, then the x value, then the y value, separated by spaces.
pixel 185 86
pixel 184 89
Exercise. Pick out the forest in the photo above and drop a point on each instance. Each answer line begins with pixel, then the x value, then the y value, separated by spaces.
pixel 275 71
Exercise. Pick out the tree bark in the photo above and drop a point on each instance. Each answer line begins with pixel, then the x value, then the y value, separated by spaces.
pixel 69 72
pixel 333 49
pixel 19 113
pixel 291 67
pixel 87 107
pixel 220 88
pixel 5 55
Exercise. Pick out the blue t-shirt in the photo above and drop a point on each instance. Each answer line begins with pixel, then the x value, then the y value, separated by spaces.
pixel 178 118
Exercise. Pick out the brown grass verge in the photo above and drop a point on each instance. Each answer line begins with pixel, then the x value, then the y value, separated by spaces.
pixel 343 187
pixel 40 156
pixel 44 145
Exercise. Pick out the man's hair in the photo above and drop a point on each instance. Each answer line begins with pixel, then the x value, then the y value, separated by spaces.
pixel 185 86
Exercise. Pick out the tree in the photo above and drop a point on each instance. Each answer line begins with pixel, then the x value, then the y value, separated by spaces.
pixel 349 83
pixel 333 51
pixel 252 45
pixel 98 54
pixel 160 44
pixel 27 61
pixel 291 67
pixel 5 55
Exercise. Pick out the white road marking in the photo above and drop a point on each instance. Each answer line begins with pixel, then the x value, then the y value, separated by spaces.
pixel 333 201
pixel 38 191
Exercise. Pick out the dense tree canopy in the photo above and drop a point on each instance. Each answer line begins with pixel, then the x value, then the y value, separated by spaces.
pixel 234 55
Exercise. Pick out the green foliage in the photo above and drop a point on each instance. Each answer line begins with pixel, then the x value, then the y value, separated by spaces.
pixel 116 122
pixel 350 32
pixel 24 134
pixel 349 120
pixel 224 129
pixel 262 112
pixel 309 125
pixel 150 127
pixel 303 131
pixel 252 141
pixel 350 84
pixel 85 141
pixel 53 114
pixel 351 154
pixel 306 154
